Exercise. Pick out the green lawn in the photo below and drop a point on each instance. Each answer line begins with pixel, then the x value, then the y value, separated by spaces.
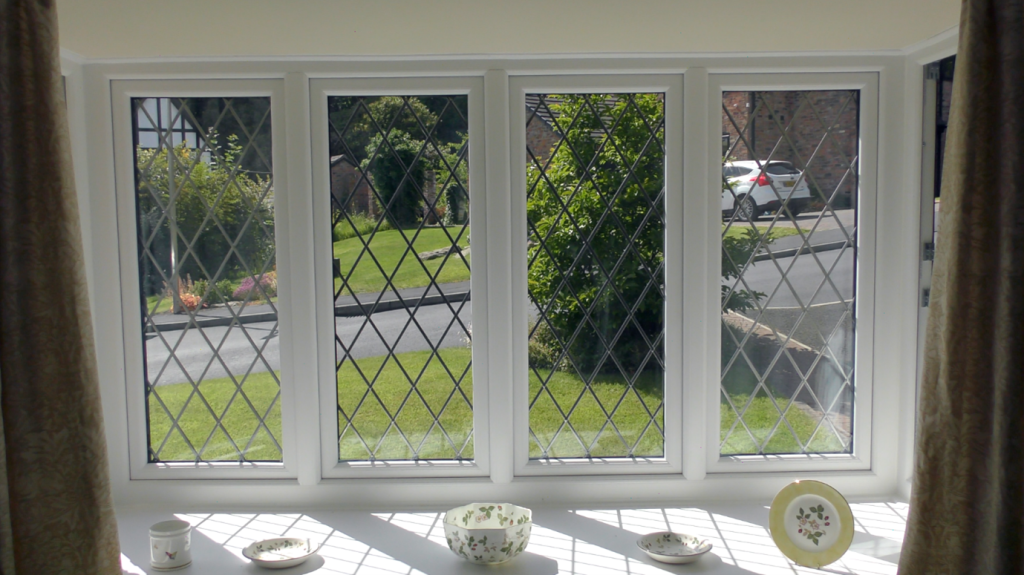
pixel 760 418
pixel 389 247
pixel 391 387
pixel 738 229
pixel 631 418
pixel 197 422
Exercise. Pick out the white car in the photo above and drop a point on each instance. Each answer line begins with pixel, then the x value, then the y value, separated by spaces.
pixel 749 191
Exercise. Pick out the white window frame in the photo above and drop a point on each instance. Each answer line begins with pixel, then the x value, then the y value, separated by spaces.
pixel 122 92
pixel 672 86
pixel 301 480
pixel 320 90
pixel 860 458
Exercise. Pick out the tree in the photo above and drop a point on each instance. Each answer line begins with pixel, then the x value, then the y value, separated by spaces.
pixel 398 167
pixel 598 225
pixel 211 205
pixel 355 120
pixel 451 175
pixel 599 205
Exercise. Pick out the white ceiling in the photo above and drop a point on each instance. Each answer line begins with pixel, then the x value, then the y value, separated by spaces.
pixel 185 28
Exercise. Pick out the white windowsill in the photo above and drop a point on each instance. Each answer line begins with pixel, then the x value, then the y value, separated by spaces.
pixel 565 541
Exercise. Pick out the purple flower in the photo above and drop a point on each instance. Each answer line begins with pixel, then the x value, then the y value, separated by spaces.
pixel 248 289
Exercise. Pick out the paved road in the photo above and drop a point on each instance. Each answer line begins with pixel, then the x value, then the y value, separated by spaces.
pixel 805 276
pixel 237 345
pixel 830 221
pixel 393 328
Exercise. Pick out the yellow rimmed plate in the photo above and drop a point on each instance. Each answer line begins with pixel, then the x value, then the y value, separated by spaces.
pixel 811 523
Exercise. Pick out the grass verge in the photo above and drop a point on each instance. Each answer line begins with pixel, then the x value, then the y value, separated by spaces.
pixel 739 229
pixel 391 387
pixel 388 248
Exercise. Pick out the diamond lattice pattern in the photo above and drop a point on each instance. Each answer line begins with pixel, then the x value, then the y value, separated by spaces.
pixel 400 216
pixel 595 217
pixel 205 207
pixel 789 205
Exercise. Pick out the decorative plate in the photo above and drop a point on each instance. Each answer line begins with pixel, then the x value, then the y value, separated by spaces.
pixel 811 523
pixel 669 547
pixel 280 553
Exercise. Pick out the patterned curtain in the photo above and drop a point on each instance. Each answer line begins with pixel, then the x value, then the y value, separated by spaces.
pixel 56 513
pixel 967 507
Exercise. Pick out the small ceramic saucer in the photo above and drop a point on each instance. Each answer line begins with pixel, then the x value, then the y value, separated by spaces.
pixel 280 553
pixel 669 547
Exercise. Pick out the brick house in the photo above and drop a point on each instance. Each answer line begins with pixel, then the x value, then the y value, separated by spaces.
pixel 541 137
pixel 828 165
pixel 349 189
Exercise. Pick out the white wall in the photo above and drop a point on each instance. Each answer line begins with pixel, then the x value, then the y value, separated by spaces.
pixel 186 28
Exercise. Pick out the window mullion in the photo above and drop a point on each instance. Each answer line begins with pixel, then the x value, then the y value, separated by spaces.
pixel 298 333
pixel 698 325
pixel 500 278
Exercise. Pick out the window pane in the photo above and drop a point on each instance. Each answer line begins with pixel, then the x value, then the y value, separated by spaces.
pixel 207 271
pixel 596 221
pixel 400 216
pixel 789 272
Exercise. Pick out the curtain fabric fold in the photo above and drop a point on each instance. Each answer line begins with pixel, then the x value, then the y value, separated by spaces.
pixel 56 512
pixel 967 506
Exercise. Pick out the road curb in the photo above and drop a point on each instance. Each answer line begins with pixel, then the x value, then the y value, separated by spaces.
pixel 344 310
pixel 356 310
pixel 791 252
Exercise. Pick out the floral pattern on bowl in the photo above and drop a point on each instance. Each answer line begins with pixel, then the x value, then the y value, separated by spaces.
pixel 488 533
pixel 280 553
pixel 669 547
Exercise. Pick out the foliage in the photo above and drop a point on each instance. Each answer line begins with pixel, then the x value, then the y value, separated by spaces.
pixel 212 203
pixel 399 170
pixel 360 118
pixel 186 295
pixel 249 291
pixel 357 224
pixel 442 116
pixel 543 348
pixel 583 249
pixel 739 249
pixel 221 292
pixel 404 271
pixel 452 176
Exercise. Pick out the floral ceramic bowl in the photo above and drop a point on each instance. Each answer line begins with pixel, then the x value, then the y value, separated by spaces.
pixel 669 547
pixel 487 533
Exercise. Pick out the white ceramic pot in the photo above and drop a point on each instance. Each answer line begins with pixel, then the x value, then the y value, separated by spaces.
pixel 170 545
pixel 488 533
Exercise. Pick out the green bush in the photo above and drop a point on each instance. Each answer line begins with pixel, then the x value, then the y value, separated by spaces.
pixel 739 249
pixel 222 293
pixel 399 172
pixel 543 349
pixel 204 190
pixel 451 173
pixel 347 228
pixel 604 182
pixel 618 174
